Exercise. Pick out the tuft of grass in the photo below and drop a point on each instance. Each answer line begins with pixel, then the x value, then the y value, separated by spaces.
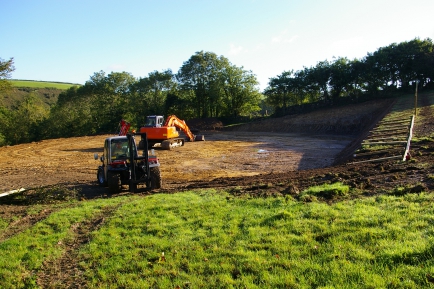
pixel 403 190
pixel 366 148
pixel 424 139
pixel 328 191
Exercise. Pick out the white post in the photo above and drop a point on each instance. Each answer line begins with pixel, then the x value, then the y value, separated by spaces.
pixel 415 98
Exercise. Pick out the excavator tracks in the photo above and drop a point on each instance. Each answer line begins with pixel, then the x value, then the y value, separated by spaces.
pixel 172 143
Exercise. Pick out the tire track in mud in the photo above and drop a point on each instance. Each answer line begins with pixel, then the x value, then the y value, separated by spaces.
pixel 23 223
pixel 65 272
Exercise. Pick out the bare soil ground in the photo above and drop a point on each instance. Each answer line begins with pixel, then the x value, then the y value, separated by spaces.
pixel 293 151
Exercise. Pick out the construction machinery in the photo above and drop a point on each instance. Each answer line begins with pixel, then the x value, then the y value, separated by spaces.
pixel 122 166
pixel 165 133
pixel 124 127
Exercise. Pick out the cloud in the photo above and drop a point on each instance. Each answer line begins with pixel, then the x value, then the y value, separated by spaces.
pixel 350 47
pixel 283 37
pixel 116 67
pixel 235 50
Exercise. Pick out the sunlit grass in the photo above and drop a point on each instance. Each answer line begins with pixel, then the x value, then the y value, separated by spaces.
pixel 209 239
pixel 24 253
pixel 329 191
pixel 42 84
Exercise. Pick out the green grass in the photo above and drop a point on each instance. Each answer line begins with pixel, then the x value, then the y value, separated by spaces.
pixel 22 255
pixel 209 239
pixel 42 84
pixel 328 191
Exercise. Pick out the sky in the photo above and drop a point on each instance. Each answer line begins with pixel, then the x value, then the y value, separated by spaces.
pixel 70 40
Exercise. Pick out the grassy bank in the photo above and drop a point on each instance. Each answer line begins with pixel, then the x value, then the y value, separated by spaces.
pixel 42 84
pixel 210 239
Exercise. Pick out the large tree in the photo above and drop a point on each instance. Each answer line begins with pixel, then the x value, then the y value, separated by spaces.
pixel 200 74
pixel 149 94
pixel 27 117
pixel 219 88
pixel 280 90
pixel 340 78
pixel 240 93
pixel 6 69
pixel 109 98
pixel 6 118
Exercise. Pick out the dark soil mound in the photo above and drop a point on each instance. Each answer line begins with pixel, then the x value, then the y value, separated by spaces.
pixel 210 123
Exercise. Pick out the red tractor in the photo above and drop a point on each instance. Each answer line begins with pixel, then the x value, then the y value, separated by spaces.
pixel 122 165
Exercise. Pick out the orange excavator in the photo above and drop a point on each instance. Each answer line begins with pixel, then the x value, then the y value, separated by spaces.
pixel 166 134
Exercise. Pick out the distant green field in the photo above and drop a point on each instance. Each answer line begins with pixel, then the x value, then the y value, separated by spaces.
pixel 42 84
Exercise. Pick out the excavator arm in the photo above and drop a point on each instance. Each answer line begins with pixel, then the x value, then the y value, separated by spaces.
pixel 124 127
pixel 173 120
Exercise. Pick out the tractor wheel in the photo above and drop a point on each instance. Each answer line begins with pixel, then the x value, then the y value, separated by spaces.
pixel 156 181
pixel 141 145
pixel 133 188
pixel 114 182
pixel 100 177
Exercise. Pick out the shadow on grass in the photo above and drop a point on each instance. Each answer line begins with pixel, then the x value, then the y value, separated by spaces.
pixel 413 259
pixel 60 193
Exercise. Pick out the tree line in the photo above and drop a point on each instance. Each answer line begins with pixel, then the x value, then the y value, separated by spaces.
pixel 393 68
pixel 208 85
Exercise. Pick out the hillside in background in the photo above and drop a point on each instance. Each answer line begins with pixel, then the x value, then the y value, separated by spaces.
pixel 48 92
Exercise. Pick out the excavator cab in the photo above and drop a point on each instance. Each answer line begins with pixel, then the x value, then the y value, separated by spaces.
pixel 165 133
pixel 154 121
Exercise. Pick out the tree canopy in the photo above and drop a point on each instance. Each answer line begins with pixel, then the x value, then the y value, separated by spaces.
pixel 6 69
pixel 389 69
pixel 218 87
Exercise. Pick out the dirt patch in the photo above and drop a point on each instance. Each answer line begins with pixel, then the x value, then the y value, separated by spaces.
pixel 271 151
pixel 246 150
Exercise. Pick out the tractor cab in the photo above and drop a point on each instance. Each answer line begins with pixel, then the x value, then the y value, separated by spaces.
pixel 121 165
pixel 154 121
pixel 117 148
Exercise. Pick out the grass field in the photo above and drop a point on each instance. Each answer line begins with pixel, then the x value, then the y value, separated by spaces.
pixel 42 84
pixel 211 239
